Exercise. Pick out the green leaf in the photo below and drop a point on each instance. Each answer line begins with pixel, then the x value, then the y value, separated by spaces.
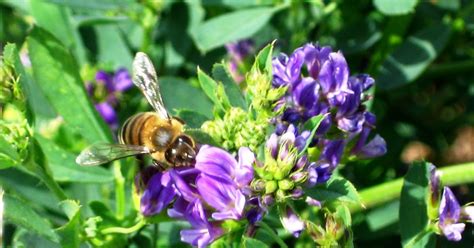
pixel 191 118
pixel 201 137
pixel 395 7
pixel 248 242
pixel 58 21
pixel 21 214
pixel 108 5
pixel 413 56
pixel 8 154
pixel 57 74
pixel 312 124
pixel 221 74
pixel 112 47
pixel 69 232
pixel 208 85
pixel 263 60
pixel 231 27
pixel 336 189
pixel 65 169
pixel 25 238
pixel 413 206
pixel 180 94
pixel 88 20
pixel 37 164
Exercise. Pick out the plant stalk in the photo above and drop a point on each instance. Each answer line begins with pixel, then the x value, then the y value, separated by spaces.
pixel 119 191
pixel 386 192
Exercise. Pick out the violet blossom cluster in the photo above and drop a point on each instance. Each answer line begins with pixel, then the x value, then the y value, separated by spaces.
pixel 206 195
pixel 318 83
pixel 105 90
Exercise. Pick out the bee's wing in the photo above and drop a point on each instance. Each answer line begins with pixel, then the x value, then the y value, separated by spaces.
pixel 145 78
pixel 102 153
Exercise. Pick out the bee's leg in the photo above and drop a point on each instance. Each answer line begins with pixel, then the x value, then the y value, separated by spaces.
pixel 159 165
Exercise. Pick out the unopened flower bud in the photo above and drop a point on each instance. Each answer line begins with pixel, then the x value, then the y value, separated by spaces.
pixel 258 185
pixel 297 193
pixel 299 177
pixel 270 187
pixel 285 184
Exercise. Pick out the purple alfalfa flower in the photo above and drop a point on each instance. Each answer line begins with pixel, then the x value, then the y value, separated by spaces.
pixel 287 70
pixel 238 51
pixel 203 232
pixel 158 194
pixel 449 215
pixel 435 185
pixel 105 91
pixel 290 221
pixel 375 147
pixel 223 181
pixel 108 114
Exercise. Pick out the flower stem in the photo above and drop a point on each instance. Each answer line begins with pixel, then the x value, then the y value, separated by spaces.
pixel 386 192
pixel 272 234
pixel 124 230
pixel 119 191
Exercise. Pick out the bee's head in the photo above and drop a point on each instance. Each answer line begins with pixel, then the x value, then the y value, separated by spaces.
pixel 181 152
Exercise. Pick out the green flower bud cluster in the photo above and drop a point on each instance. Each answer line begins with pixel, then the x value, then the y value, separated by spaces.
pixel 263 94
pixel 10 91
pixel 13 124
pixel 282 175
pixel 333 234
pixel 236 129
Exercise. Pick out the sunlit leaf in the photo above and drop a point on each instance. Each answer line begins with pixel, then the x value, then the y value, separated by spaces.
pixel 65 169
pixel 395 7
pixel 416 53
pixel 337 188
pixel 56 72
pixel 413 206
pixel 20 213
pixel 222 29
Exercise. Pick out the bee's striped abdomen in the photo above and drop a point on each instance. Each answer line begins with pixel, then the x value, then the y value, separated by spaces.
pixel 130 133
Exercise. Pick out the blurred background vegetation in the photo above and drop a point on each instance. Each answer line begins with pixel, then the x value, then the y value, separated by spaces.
pixel 421 54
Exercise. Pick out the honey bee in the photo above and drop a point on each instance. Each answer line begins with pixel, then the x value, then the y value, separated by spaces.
pixel 154 133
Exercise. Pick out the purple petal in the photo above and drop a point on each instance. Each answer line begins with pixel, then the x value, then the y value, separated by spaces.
pixel 449 209
pixel 157 195
pixel 122 80
pixel 203 233
pixel 351 124
pixel 291 222
pixel 225 198
pixel 334 74
pixel 216 162
pixel 244 172
pixel 375 148
pixel 332 151
pixel 272 145
pixel 108 114
pixel 453 231
pixel 103 77
pixel 183 188
pixel 434 184
pixel 306 93
pixel 179 208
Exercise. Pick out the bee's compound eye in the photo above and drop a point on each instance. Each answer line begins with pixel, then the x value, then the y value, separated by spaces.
pixel 170 155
